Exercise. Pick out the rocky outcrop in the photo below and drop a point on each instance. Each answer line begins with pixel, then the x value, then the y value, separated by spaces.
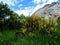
pixel 52 9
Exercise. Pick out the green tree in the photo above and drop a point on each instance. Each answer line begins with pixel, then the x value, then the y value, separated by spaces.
pixel 8 17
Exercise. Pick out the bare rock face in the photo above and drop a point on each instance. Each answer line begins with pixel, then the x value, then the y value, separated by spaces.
pixel 49 9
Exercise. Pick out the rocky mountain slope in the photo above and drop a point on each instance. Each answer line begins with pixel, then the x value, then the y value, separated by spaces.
pixel 49 10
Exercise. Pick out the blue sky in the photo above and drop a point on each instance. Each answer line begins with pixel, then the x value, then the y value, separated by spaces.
pixel 27 7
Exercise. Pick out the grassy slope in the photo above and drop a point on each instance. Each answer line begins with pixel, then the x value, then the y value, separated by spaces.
pixel 9 38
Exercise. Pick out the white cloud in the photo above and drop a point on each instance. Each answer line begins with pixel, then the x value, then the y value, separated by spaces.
pixel 26 11
pixel 37 1
pixel 36 8
pixel 50 1
pixel 10 2
pixel 20 5
pixel 15 1
pixel 44 1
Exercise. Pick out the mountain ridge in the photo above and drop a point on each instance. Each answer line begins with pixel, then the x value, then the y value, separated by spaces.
pixel 49 9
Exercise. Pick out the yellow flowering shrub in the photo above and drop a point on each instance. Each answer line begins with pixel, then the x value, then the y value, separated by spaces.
pixel 51 25
pixel 47 25
pixel 37 23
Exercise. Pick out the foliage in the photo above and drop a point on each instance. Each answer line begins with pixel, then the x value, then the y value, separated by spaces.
pixel 58 20
pixel 12 21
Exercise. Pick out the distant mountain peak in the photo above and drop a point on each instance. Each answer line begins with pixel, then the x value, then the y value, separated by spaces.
pixel 55 3
pixel 49 9
pixel 52 4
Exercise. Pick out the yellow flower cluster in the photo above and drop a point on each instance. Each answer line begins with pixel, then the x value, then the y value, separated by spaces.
pixel 24 22
pixel 35 20
pixel 24 30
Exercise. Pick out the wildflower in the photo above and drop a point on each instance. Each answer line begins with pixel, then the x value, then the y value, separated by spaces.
pixel 23 30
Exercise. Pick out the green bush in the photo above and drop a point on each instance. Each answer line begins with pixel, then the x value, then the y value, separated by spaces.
pixel 58 20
